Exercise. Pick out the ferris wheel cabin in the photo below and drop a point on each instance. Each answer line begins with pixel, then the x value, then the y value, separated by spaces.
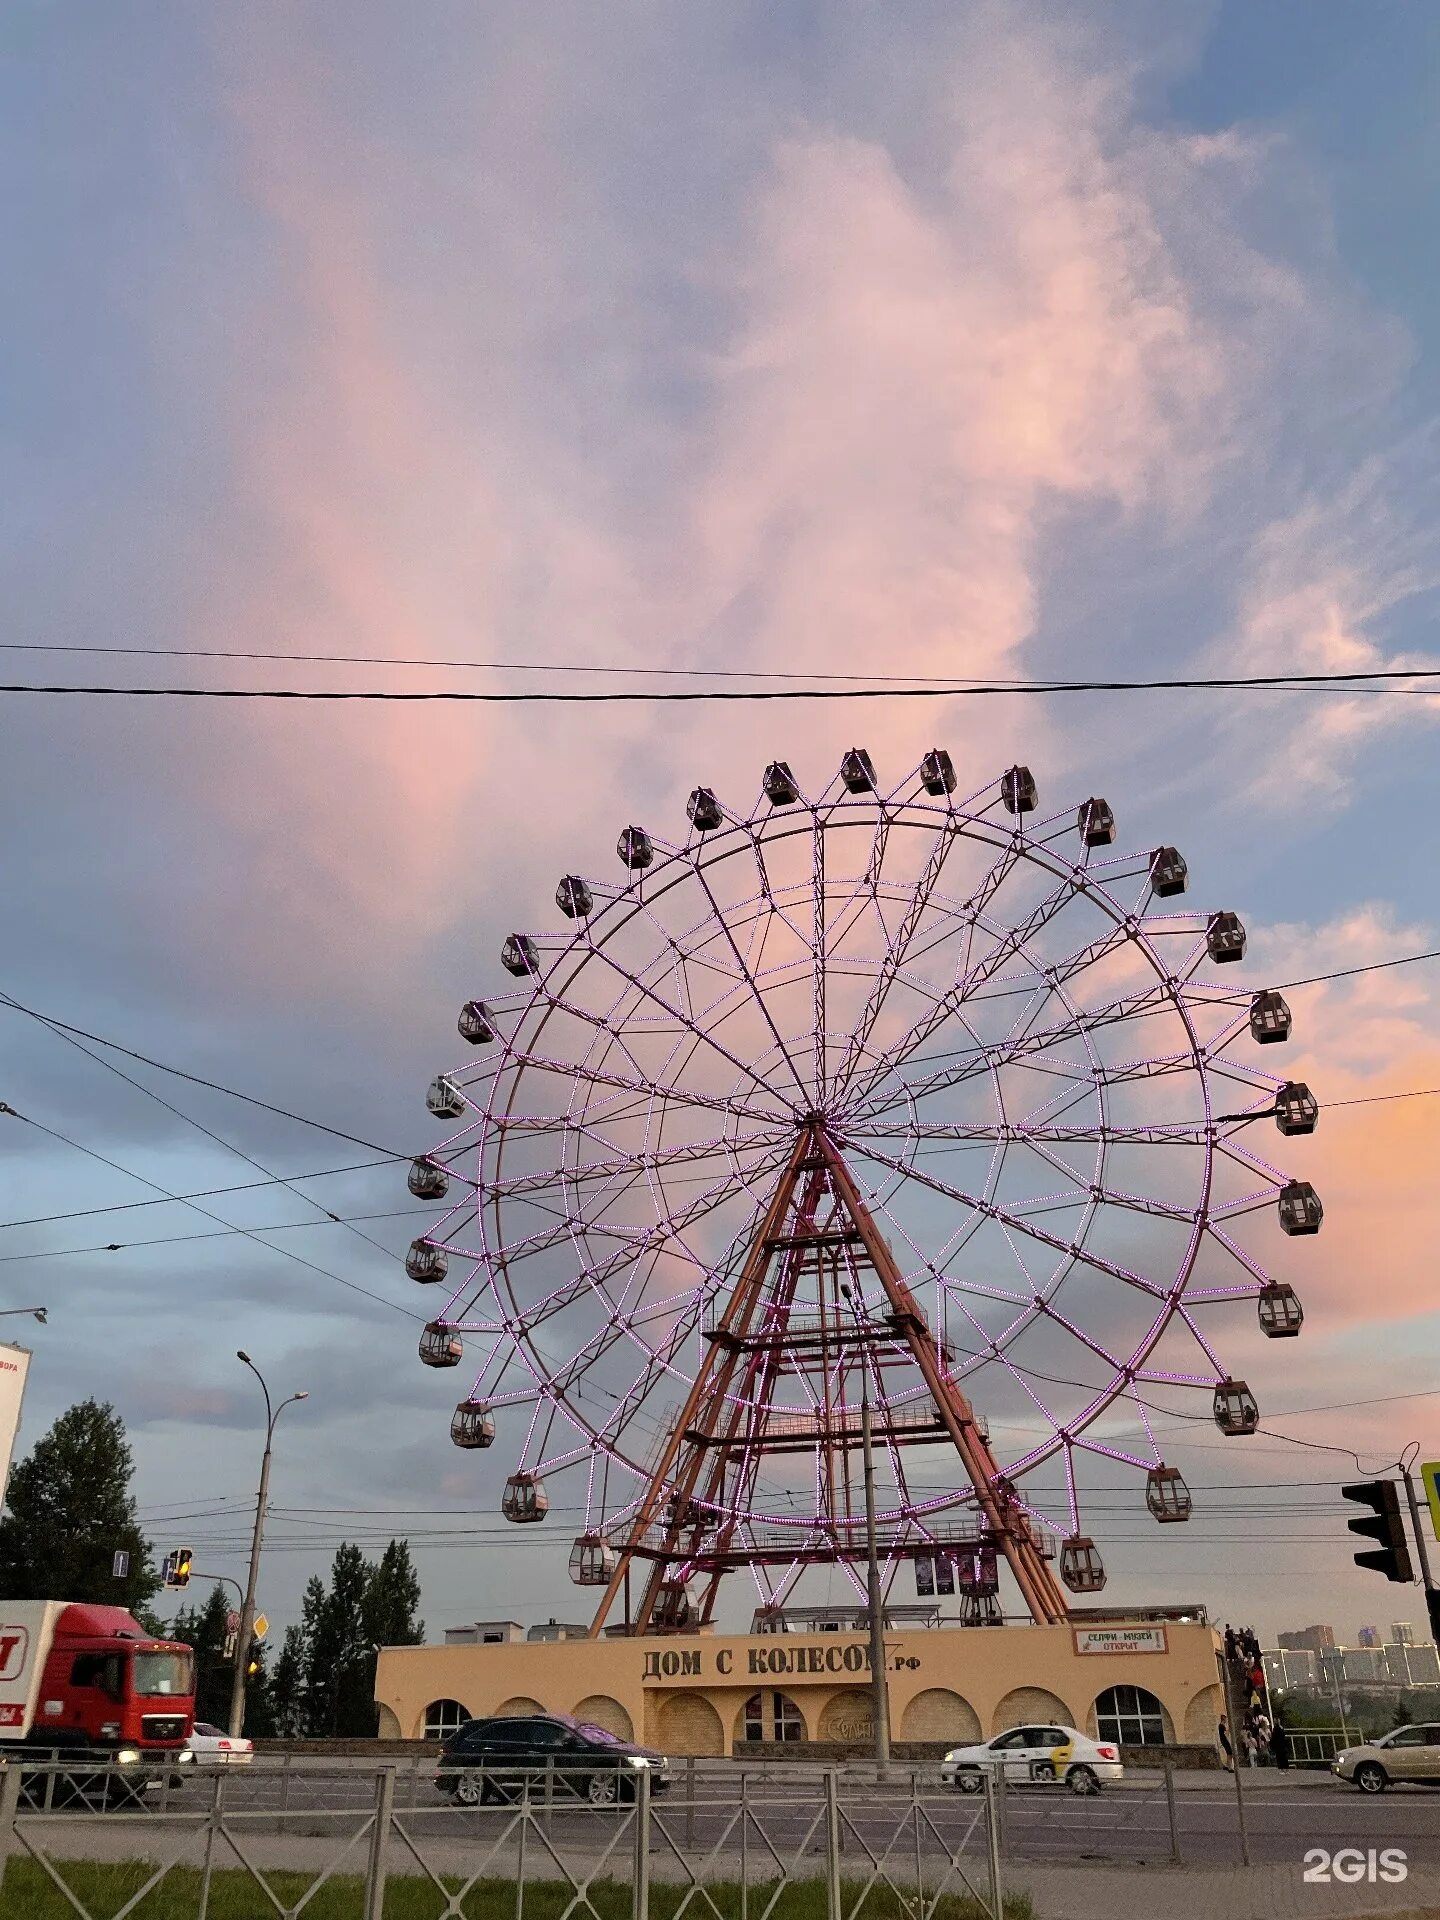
pixel 1236 1411
pixel 441 1346
pixel 1281 1315
pixel 1095 823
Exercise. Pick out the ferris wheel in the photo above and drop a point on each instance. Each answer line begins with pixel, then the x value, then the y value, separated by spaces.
pixel 871 1117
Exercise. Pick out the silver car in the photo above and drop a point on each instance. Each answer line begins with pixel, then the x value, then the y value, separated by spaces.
pixel 1409 1753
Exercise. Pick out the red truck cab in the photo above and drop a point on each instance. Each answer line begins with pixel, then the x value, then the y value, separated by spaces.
pixel 99 1683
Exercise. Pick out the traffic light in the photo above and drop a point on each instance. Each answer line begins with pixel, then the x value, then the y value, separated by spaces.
pixel 175 1571
pixel 1392 1556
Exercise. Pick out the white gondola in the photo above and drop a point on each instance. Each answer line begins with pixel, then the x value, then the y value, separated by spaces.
pixel 1096 823
pixel 426 1262
pixel 1236 1411
pixel 1269 1018
pixel 476 1023
pixel 1281 1315
pixel 1081 1567
pixel 1167 1495
pixel 472 1425
pixel 857 770
pixel 592 1561
pixel 937 773
pixel 1225 938
pixel 574 898
pixel 520 955
pixel 441 1346
pixel 1018 790
pixel 444 1099
pixel 427 1179
pixel 781 788
pixel 704 810
pixel 1169 874
pixel 524 1500
pixel 1296 1108
pixel 1299 1207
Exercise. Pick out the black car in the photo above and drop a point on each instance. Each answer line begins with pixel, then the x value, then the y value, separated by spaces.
pixel 490 1760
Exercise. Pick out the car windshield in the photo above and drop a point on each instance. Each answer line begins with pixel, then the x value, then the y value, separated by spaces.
pixel 601 1736
pixel 163 1673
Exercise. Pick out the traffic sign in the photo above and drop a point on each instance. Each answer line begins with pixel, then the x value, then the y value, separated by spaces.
pixel 261 1626
pixel 1430 1480
pixel 120 1565
pixel 232 1621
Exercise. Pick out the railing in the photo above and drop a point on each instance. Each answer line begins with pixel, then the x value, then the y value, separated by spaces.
pixel 267 1840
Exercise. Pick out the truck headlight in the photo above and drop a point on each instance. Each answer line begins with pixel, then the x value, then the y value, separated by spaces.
pixel 636 1760
pixel 185 1757
pixel 127 1756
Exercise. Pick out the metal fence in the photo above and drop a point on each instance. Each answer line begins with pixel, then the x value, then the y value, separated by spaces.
pixel 726 1845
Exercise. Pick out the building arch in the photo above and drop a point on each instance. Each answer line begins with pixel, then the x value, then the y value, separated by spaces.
pixel 770 1715
pixel 1130 1716
pixel 1202 1717
pixel 848 1717
pixel 441 1718
pixel 687 1723
pixel 600 1710
pixel 1026 1706
pixel 517 1706
pixel 939 1713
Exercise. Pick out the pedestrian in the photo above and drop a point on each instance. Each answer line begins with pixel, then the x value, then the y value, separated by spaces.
pixel 1222 1733
pixel 1279 1746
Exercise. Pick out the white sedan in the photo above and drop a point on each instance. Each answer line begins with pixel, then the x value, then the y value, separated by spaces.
pixel 1043 1755
pixel 213 1747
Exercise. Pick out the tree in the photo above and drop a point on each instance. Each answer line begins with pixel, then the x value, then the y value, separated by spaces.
pixel 70 1511
pixel 324 1680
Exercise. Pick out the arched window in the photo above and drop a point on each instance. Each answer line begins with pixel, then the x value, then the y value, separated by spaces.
pixel 773 1716
pixel 1130 1717
pixel 444 1717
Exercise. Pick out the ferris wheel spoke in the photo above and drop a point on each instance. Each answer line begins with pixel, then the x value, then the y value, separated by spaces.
pixel 752 983
pixel 1006 1216
pixel 895 958
pixel 626 1166
pixel 689 1096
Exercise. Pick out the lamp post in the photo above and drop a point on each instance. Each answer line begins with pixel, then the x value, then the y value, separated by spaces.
pixel 247 1611
pixel 42 1314
pixel 879 1682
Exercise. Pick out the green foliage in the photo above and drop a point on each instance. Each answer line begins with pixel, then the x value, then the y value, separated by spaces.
pixel 70 1511
pixel 324 1680
pixel 234 1895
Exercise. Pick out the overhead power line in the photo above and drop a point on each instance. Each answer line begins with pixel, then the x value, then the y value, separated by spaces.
pixel 1417 680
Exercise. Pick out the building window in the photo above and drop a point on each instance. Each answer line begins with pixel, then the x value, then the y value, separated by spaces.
pixel 444 1717
pixel 1130 1717
pixel 773 1716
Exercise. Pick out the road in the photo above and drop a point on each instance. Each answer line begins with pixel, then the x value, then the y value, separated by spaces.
pixel 1129 1824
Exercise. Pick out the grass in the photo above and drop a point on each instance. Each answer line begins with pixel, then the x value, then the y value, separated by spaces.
pixel 102 1889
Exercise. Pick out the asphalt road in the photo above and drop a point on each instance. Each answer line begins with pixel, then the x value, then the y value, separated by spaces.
pixel 1128 1824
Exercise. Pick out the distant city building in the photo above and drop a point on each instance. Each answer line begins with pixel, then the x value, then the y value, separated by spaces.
pixel 1317 1639
pixel 558 1630
pixel 1395 1666
pixel 1424 1665
pixel 485 1633
pixel 1369 1636
pixel 1403 1634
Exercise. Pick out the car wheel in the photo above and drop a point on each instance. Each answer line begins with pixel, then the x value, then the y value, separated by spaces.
pixel 1370 1777
pixel 968 1780
pixel 470 1790
pixel 603 1789
pixel 1082 1780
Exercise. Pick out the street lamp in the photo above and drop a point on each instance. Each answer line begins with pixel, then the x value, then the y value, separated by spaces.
pixel 879 1681
pixel 42 1314
pixel 247 1611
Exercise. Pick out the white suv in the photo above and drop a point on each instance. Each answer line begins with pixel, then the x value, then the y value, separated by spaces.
pixel 1041 1754
pixel 1409 1753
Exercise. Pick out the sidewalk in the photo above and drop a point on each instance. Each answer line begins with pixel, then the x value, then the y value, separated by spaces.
pixel 1216 1893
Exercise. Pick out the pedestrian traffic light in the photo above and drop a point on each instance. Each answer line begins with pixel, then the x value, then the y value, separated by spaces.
pixel 176 1569
pixel 1392 1556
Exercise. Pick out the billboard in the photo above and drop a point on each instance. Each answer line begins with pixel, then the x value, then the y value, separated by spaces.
pixel 14 1366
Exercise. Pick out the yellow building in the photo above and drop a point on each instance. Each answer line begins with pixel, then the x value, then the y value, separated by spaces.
pixel 1135 1679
